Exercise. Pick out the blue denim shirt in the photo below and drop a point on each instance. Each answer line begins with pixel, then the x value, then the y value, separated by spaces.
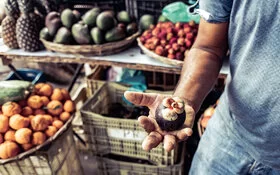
pixel 251 101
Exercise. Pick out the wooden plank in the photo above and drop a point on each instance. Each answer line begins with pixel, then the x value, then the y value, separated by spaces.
pixel 131 58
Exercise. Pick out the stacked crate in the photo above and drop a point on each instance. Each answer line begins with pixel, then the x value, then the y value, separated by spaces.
pixel 116 142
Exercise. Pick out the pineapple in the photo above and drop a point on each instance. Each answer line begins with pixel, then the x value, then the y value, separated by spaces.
pixel 9 24
pixel 28 27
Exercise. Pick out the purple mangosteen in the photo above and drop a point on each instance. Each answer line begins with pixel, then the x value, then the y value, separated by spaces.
pixel 170 114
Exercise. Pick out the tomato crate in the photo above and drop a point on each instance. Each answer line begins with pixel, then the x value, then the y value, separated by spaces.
pixel 105 135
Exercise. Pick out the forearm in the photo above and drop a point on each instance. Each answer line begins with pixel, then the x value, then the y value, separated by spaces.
pixel 199 73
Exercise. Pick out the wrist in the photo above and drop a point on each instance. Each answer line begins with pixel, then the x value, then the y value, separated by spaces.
pixel 188 100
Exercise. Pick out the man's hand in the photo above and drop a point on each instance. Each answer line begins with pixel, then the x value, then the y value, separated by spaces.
pixel 155 134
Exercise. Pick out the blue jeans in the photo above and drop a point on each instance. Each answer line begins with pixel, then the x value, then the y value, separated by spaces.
pixel 219 153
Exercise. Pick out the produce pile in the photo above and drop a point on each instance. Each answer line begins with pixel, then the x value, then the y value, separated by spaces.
pixel 93 27
pixel 170 40
pixel 30 122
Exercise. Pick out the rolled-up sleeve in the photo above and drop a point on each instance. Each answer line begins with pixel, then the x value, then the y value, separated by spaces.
pixel 215 11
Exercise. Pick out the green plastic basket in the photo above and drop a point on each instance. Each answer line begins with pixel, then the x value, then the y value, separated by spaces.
pixel 105 135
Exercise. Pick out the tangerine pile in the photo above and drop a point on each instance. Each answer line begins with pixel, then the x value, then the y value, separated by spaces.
pixel 30 122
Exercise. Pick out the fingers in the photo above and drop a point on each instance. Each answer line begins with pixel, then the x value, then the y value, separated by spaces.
pixel 151 141
pixel 146 123
pixel 169 142
pixel 190 116
pixel 139 98
pixel 184 134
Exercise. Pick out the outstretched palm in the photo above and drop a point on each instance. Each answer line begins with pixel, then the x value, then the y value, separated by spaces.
pixel 155 134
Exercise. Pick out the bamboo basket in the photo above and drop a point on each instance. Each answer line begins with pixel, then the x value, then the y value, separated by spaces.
pixel 58 155
pixel 108 135
pixel 158 57
pixel 95 50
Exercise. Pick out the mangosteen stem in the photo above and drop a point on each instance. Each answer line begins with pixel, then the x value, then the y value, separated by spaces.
pixel 175 105
pixel 167 102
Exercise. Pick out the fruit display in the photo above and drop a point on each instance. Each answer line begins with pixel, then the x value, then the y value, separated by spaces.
pixel 21 26
pixel 170 40
pixel 30 121
pixel 95 27
pixel 170 114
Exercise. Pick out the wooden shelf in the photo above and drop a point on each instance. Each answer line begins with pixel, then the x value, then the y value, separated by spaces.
pixel 131 58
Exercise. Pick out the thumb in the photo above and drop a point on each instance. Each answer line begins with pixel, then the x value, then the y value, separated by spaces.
pixel 140 98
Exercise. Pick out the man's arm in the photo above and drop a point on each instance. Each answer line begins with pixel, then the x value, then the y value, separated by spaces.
pixel 203 63
pixel 199 73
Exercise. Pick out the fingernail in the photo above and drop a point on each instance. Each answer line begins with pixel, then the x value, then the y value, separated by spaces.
pixel 145 147
pixel 168 147
pixel 188 132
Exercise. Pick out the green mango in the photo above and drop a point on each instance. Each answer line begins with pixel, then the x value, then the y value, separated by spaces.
pixel 105 21
pixel 68 18
pixel 124 17
pixel 162 18
pixel 115 34
pixel 63 36
pixel 131 28
pixel 146 21
pixel 44 34
pixel 81 34
pixel 90 16
pixel 97 35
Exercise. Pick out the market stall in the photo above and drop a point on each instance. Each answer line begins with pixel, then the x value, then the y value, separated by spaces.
pixel 114 142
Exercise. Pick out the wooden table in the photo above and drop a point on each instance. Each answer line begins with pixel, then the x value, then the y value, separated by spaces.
pixel 131 58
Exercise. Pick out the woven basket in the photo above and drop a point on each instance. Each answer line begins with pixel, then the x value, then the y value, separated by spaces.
pixel 105 135
pixel 158 57
pixel 95 50
pixel 58 155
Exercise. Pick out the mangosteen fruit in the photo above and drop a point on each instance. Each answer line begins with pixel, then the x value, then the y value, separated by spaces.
pixel 170 114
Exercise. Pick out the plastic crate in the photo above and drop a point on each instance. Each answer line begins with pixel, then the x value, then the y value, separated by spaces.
pixel 105 135
pixel 60 157
pixel 161 81
pixel 32 75
pixel 153 7
pixel 83 5
pixel 110 166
